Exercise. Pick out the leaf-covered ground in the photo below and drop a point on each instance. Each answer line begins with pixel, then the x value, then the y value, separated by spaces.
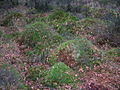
pixel 58 51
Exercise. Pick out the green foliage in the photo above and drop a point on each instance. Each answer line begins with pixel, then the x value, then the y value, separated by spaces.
pixel 37 72
pixel 60 17
pixel 38 18
pixel 59 74
pixel 38 36
pixel 52 59
pixel 115 52
pixel 81 51
pixel 66 29
pixel 10 77
pixel 90 26
pixel 9 17
pixel 11 35
pixel 1 33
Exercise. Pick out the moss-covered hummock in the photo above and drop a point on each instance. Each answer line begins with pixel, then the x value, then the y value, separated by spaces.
pixel 59 74
pixel 90 26
pixel 77 51
pixel 39 37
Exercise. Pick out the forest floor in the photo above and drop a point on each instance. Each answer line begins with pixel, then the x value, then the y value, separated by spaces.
pixel 106 76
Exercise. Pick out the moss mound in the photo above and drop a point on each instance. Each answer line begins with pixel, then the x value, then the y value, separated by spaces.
pixel 77 51
pixel 59 74
pixel 60 17
pixel 90 26
pixel 39 37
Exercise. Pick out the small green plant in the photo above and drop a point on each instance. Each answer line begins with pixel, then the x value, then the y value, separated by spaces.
pixel 59 74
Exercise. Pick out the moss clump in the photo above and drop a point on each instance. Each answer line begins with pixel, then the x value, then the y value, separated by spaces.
pixel 90 26
pixel 59 17
pixel 9 17
pixel 78 51
pixel 59 74
pixel 39 37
